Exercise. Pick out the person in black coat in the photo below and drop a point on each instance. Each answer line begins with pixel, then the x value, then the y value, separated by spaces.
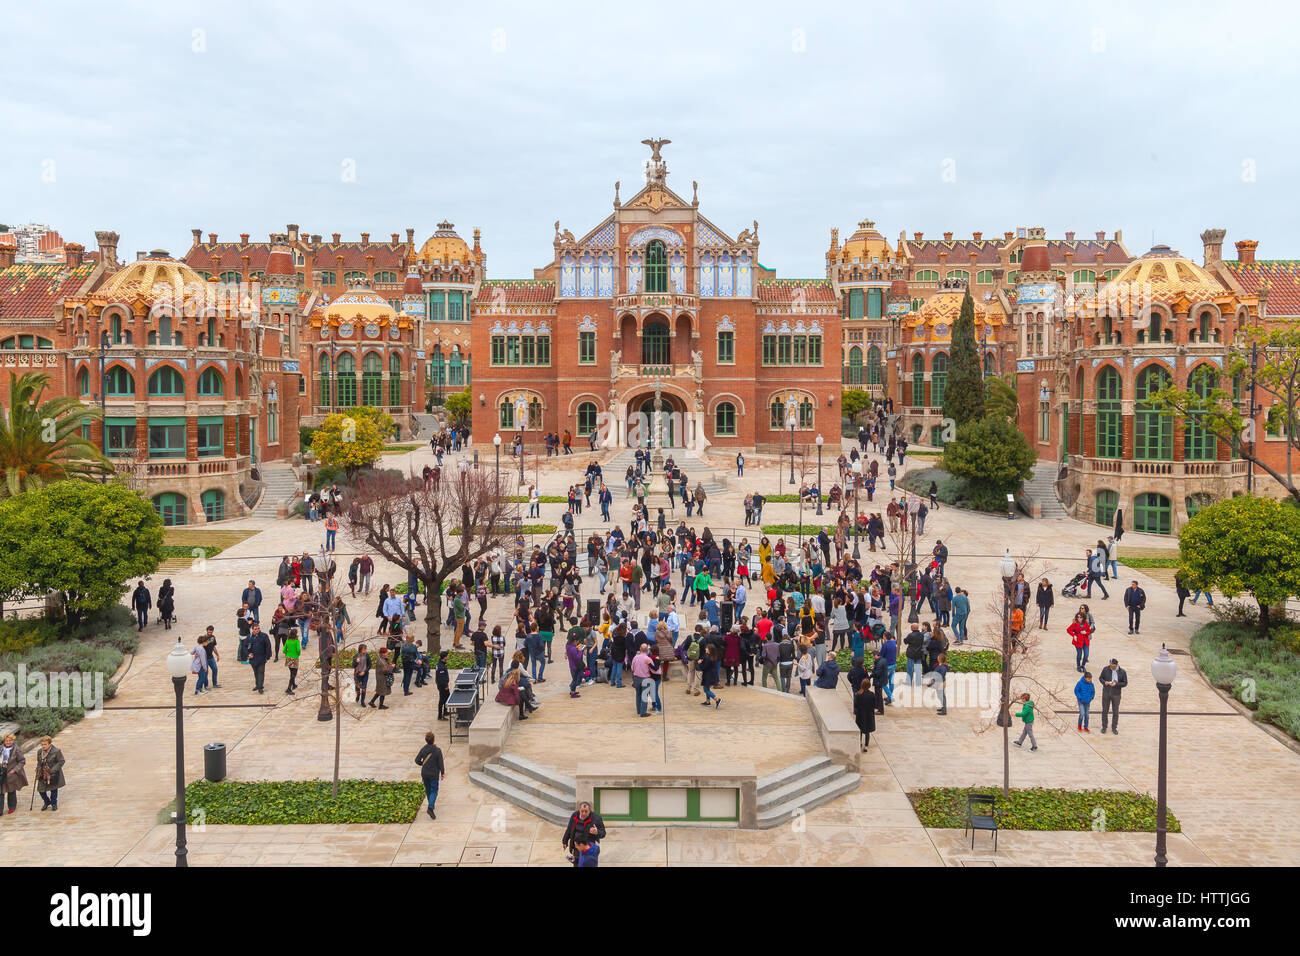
pixel 1135 599
pixel 1113 680
pixel 442 680
pixel 864 711
pixel 879 678
pixel 259 652
pixel 433 770
pixel 166 604
pixel 1044 598
pixel 585 826
pixel 141 601
pixel 252 596
pixel 857 671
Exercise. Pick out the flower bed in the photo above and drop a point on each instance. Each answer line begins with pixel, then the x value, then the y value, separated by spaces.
pixel 1042 808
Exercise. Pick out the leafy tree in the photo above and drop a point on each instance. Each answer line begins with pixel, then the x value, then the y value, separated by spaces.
pixel 1277 377
pixel 383 421
pixel 1241 545
pixel 992 457
pixel 1000 398
pixel 348 442
pixel 460 406
pixel 82 540
pixel 40 442
pixel 963 399
pixel 854 401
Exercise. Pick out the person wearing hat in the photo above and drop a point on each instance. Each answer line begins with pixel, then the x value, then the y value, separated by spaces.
pixel 1113 681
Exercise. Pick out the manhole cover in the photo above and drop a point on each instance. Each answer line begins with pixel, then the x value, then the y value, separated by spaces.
pixel 478 854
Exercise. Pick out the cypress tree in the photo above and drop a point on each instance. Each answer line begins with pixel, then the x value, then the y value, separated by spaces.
pixel 963 399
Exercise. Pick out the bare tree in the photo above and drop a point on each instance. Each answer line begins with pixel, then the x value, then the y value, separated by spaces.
pixel 431 530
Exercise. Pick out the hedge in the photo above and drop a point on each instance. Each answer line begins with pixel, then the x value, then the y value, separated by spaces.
pixel 808 529
pixel 542 499
pixel 787 499
pixel 275 802
pixel 456 660
pixel 1042 808
pixel 1263 673
pixel 521 529
pixel 959 662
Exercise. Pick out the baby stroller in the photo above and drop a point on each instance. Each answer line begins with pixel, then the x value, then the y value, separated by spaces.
pixel 1071 590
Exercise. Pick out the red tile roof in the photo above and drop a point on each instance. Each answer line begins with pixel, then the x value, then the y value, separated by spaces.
pixel 784 291
pixel 391 257
pixel 1282 276
pixel 515 292
pixel 203 257
pixel 926 251
pixel 31 290
pixel 1085 251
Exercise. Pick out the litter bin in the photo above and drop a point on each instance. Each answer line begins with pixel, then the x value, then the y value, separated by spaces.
pixel 214 762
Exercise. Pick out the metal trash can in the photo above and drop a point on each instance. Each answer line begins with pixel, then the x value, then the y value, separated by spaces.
pixel 214 762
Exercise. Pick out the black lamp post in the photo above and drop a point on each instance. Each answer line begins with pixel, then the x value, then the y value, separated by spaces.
pixel 1008 569
pixel 496 441
pixel 819 473
pixel 1163 668
pixel 857 513
pixel 178 666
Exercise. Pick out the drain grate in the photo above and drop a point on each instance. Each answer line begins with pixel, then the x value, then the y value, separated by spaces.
pixel 478 854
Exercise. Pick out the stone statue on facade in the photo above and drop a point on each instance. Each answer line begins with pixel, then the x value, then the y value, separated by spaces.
pixel 615 358
pixel 697 359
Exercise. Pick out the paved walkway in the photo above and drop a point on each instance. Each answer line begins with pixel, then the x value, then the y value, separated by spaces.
pixel 1230 782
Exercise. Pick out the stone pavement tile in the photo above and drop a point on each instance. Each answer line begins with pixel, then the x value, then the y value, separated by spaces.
pixel 878 800
pixel 514 832
pixel 875 818
pixel 692 851
pixel 428 852
pixel 838 812
pixel 439 830
pixel 904 856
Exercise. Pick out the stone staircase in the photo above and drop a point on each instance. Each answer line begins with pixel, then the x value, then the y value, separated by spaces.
pixel 800 788
pixel 689 462
pixel 1040 490
pixel 279 486
pixel 529 786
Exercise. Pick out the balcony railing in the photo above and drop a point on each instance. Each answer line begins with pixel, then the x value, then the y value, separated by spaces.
pixel 178 468
pixel 1159 469
pixel 667 301
pixel 656 370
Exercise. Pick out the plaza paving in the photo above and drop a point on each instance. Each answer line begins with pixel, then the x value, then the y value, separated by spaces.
pixel 1229 781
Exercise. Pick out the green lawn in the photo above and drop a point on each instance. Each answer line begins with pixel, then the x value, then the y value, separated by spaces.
pixel 1261 672
pixel 1041 808
pixel 275 802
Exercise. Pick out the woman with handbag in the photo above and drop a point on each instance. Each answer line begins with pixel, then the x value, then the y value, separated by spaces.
pixel 49 773
pixel 383 679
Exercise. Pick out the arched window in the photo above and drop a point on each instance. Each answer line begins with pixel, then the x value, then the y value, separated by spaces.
pixel 353 277
pixel 231 276
pixel 1204 331
pixel 984 277
pixel 1105 505
pixel 724 420
pixel 395 379
pixel 1153 431
pixel 990 365
pixel 372 374
pixel 927 275
pixel 854 375
pixel 119 335
pixel 656 267
pixel 1198 443
pixel 166 381
pixel 938 378
pixel 211 383
pixel 918 380
pixel 214 504
pixel 586 418
pixel 329 277
pixel 1110 418
pixel 345 387
pixel 506 414
pixel 961 274
pixel 1152 514
pixel 1194 503
pixel 83 381
pixel 239 383
pixel 386 277
pixel 119 383
pixel 777 409
pixel 655 344
pixel 1084 275
pixel 805 412
pixel 170 507
pixel 535 413
pixel 456 369
pixel 873 366
pixel 325 380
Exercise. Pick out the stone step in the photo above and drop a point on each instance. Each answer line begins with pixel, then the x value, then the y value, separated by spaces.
pixel 530 785
pixel 546 775
pixel 551 812
pixel 783 813
pixel 782 777
pixel 805 783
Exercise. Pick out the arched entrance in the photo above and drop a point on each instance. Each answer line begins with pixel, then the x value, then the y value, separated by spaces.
pixel 641 422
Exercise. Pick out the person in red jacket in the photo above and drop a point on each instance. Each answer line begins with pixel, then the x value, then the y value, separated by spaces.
pixel 1080 632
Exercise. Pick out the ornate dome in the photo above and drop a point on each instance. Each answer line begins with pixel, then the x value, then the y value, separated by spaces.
pixel 942 309
pixel 359 304
pixel 1163 275
pixel 150 278
pixel 444 245
pixel 866 244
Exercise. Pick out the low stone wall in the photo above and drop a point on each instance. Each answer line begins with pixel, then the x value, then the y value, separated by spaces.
pixel 489 732
pixel 832 711
pixel 687 775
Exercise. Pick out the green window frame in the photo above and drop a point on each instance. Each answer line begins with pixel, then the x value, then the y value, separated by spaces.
pixel 1153 430
pixel 455 369
pixel 498 350
pixel 875 303
pixel 769 350
pixel 724 420
pixel 586 348
pixel 853 368
pixel 210 431
pixel 1084 275
pixel 214 504
pixel 873 366
pixel 938 378
pixel 927 275
pixel 171 507
pixel 211 382
pixel 543 350
pixel 777 410
pixel 586 418
pixel 726 348
pixel 1110 416
pixel 1152 514
pixel 1013 276
pixel 166 438
pixel 655 344
pixel 455 307
pixel 329 277
pixel 814 350
pixel 784 349
pixel 959 274
pixel 1105 505
pixel 349 278
pixel 120 435
pixel 1110 274
pixel 346 380
pixel 231 276
pixel 918 381
pixel 805 413
pixel 394 379
pixel 85 429
pixel 1194 503
pixel 83 382
pixel 656 267
pixel 372 380
pixel 325 380
pixel 385 276
pixel 856 310
pixel 166 382
pixel 506 414
pixel 799 350
pixel 512 350
pixel 984 277
pixel 1198 443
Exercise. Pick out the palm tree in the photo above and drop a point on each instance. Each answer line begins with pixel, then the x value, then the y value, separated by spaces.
pixel 41 442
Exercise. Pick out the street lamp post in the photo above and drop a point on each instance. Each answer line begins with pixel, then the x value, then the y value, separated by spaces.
pixel 1008 570
pixel 521 415
pixel 857 513
pixel 792 421
pixel 820 440
pixel 178 666
pixel 496 441
pixel 1164 669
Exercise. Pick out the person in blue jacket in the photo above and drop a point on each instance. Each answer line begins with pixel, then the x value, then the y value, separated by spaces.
pixel 828 675
pixel 889 654
pixel 1084 692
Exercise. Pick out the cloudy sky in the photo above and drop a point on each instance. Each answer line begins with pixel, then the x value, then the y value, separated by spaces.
pixel 152 119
